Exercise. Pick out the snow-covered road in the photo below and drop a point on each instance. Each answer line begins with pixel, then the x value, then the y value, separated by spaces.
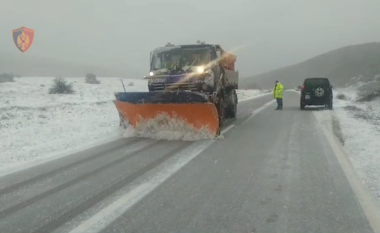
pixel 36 126
pixel 274 170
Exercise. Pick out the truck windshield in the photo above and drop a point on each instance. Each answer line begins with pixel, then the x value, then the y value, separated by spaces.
pixel 178 58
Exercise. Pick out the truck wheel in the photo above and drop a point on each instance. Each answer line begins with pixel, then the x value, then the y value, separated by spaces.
pixel 232 111
pixel 218 132
pixel 221 110
pixel 232 105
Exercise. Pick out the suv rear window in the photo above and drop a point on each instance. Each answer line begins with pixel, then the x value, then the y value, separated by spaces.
pixel 321 82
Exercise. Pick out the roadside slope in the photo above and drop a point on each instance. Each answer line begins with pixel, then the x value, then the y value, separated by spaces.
pixel 343 66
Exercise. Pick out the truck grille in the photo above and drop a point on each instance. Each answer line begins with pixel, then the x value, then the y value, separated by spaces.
pixel 174 86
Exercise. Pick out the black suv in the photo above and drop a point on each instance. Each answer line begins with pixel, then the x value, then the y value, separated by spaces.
pixel 316 91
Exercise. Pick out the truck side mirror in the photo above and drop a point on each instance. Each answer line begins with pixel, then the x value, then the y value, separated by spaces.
pixel 151 56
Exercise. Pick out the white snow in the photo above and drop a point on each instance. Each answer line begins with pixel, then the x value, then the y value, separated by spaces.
pixel 361 133
pixel 168 128
pixel 35 125
pixel 244 95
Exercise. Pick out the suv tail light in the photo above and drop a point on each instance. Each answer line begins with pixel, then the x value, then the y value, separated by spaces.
pixel 303 87
pixel 330 86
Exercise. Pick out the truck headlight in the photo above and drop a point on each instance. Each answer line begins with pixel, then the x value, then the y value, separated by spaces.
pixel 151 73
pixel 200 69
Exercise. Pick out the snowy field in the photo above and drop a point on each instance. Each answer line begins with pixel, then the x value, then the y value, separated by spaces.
pixel 360 125
pixel 36 125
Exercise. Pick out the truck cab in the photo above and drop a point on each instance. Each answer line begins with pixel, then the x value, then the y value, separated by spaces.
pixel 196 67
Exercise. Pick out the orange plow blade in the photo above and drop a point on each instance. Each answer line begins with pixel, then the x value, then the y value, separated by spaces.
pixel 168 109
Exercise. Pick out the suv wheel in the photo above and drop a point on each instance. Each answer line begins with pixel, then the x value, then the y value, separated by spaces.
pixel 319 92
pixel 330 106
pixel 302 106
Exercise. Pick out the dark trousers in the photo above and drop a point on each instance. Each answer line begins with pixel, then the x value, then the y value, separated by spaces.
pixel 279 103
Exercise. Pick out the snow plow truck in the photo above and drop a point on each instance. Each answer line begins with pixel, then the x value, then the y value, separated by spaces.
pixel 195 83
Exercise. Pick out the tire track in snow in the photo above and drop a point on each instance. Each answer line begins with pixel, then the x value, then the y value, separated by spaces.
pixel 53 223
pixel 31 181
pixel 25 203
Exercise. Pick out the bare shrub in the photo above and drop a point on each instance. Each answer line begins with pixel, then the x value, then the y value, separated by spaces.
pixel 359 113
pixel 6 78
pixel 60 86
pixel 368 91
pixel 341 96
pixel 91 79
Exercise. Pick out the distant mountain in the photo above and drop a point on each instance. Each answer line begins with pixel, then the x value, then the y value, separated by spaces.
pixel 25 65
pixel 343 66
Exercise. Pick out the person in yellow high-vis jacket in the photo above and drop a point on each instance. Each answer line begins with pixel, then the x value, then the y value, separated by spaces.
pixel 278 93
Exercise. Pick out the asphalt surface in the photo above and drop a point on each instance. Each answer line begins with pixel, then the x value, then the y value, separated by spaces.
pixel 273 172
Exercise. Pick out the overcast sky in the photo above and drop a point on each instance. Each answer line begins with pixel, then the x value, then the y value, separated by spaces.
pixel 267 34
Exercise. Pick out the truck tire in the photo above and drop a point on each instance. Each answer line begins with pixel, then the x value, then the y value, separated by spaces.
pixel 231 108
pixel 221 110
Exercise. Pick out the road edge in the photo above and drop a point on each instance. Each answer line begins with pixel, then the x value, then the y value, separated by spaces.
pixel 367 201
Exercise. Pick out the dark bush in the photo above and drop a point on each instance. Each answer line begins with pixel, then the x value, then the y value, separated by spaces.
pixel 360 113
pixel 341 96
pixel 368 91
pixel 91 79
pixel 169 44
pixel 6 78
pixel 60 86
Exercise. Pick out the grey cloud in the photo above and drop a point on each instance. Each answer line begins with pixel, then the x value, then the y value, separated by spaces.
pixel 265 34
